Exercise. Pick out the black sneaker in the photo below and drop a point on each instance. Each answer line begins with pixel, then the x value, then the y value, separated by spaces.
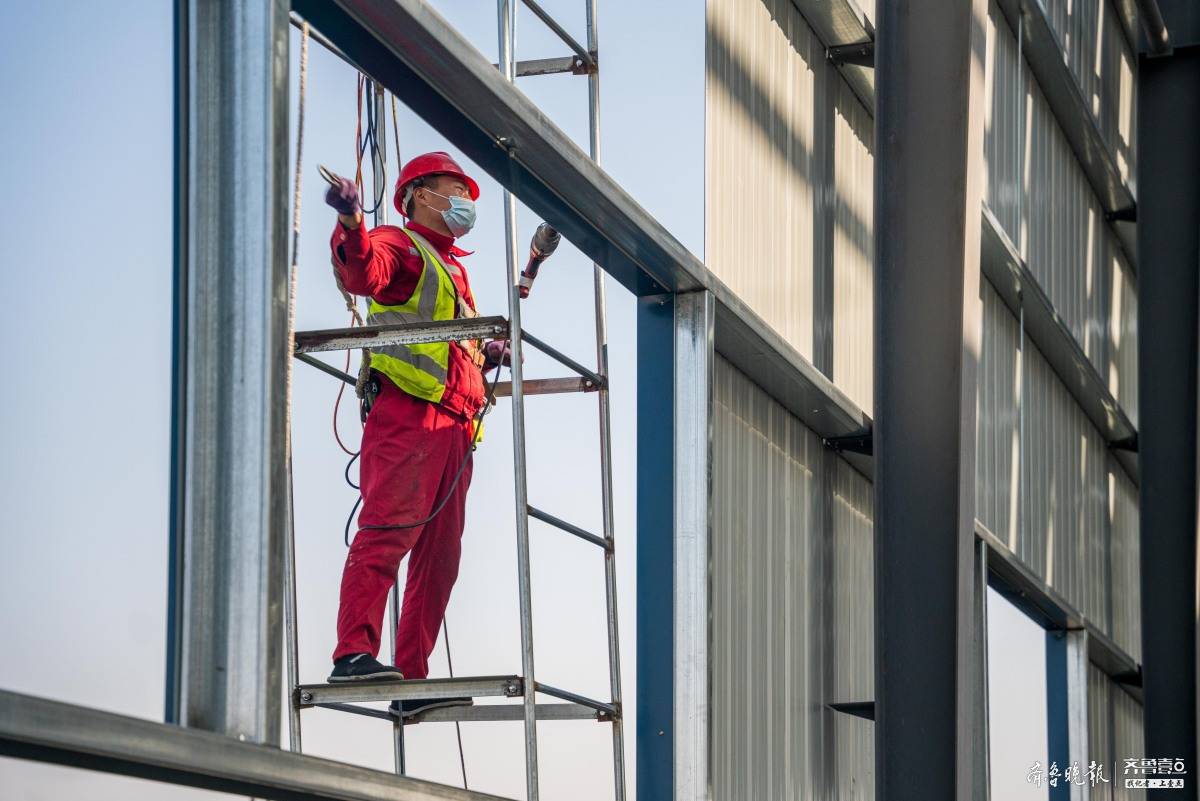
pixel 362 667
pixel 413 707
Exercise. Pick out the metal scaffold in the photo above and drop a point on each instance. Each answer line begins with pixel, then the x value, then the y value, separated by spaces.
pixel 349 697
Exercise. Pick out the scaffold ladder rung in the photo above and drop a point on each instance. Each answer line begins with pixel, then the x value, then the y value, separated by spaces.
pixel 405 690
pixel 479 713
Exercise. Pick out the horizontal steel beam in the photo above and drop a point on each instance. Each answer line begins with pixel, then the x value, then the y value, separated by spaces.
pixel 773 364
pixel 80 737
pixel 378 336
pixel 548 386
pixel 1019 289
pixel 843 27
pixel 358 691
pixel 1017 582
pixel 1044 53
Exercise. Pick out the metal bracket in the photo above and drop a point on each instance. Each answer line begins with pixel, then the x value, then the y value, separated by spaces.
pixel 1127 444
pixel 857 442
pixel 861 709
pixel 859 55
pixel 1127 214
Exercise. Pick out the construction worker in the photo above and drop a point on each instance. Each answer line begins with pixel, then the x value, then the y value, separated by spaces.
pixel 415 464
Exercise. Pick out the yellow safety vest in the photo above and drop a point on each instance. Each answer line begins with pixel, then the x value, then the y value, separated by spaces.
pixel 420 369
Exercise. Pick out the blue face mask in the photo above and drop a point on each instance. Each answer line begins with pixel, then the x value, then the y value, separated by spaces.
pixel 460 217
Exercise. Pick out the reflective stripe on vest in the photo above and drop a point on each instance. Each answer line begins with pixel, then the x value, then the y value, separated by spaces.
pixel 419 369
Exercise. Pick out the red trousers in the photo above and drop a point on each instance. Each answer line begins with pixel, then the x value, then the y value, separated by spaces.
pixel 411 450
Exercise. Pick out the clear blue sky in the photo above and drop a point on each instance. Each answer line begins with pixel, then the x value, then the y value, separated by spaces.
pixel 86 291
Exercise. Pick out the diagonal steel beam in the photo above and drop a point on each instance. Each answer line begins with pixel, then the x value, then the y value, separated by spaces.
pixel 65 734
pixel 420 57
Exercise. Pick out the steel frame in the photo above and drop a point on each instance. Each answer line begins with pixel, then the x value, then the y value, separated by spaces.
pixel 1169 329
pixel 433 68
pixel 928 316
pixel 81 737
pixel 1045 56
pixel 229 435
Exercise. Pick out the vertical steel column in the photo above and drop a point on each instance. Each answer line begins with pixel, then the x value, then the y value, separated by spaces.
pixel 982 789
pixel 1168 241
pixel 228 462
pixel 929 62
pixel 655 740
pixel 1058 706
pixel 1077 706
pixel 291 622
pixel 693 490
pixel 1067 706
pixel 507 17
pixel 603 405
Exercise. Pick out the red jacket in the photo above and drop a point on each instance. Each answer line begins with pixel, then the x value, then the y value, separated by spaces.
pixel 383 264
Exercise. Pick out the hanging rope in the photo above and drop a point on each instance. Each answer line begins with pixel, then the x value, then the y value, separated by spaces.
pixel 351 304
pixel 396 133
pixel 291 316
pixel 462 760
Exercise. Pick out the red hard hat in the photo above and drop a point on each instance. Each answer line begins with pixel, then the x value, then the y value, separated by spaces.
pixel 436 163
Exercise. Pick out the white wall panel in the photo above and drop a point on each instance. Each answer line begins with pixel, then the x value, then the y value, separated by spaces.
pixel 1043 201
pixel 853 247
pixel 998 444
pixel 1097 51
pixel 767 722
pixel 786 641
pixel 1126 628
pixel 1066 492
pixel 763 62
pixel 789 186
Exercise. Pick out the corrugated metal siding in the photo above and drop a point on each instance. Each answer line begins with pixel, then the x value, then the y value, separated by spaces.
pixel 773 611
pixel 762 62
pixel 997 459
pixel 1128 742
pixel 1065 492
pixel 1122 345
pixel 1078 502
pixel 853 584
pixel 853 247
pixel 767 722
pixel 1103 63
pixel 1115 733
pixel 853 627
pixel 1039 193
pixel 1099 747
pixel 780 120
pixel 1126 629
pixel 1004 96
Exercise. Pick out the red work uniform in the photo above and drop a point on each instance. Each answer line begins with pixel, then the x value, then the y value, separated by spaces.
pixel 411 449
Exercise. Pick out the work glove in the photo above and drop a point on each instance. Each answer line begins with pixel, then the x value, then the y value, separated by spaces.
pixel 498 351
pixel 343 197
